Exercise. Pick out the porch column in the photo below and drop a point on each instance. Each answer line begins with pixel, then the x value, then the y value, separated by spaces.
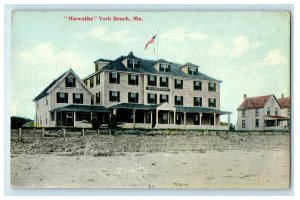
pixel 157 116
pixel 151 117
pixel 184 118
pixel 174 117
pixel 144 117
pixel 228 119
pixel 55 118
pixel 133 118
pixel 214 119
pixel 74 119
pixel 169 117
pixel 200 118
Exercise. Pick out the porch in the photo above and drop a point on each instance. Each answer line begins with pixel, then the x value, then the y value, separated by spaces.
pixel 275 123
pixel 81 116
pixel 165 116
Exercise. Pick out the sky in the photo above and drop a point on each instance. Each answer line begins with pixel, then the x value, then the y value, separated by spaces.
pixel 248 51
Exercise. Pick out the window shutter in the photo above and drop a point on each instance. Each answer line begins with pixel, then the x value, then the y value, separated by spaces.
pixel 129 79
pixel 118 80
pixel 167 82
pixel 74 81
pixel 66 97
pixel 148 96
pixel 57 97
pixel 118 96
pixel 148 79
pixel 200 85
pixel 128 97
pixel 160 68
pixel 215 86
pixel 137 80
pixel 137 97
pixel 167 98
pixel 155 100
pixel 73 97
pixel 169 67
pixel 66 81
pixel 81 98
pixel 128 63
pixel 110 95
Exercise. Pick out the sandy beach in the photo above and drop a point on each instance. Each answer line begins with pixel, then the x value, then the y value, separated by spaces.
pixel 251 162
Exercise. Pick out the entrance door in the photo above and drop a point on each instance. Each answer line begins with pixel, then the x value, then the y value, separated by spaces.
pixel 69 118
pixel 178 118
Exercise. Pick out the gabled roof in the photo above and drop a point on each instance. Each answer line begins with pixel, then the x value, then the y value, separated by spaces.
pixel 254 102
pixel 147 66
pixel 103 60
pixel 54 83
pixel 285 102
pixel 190 64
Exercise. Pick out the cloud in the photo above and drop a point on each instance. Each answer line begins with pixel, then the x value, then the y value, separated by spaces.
pixel 274 57
pixel 103 34
pixel 179 34
pixel 238 47
pixel 217 49
pixel 242 44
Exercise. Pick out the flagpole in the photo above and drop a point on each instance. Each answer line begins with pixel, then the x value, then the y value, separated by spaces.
pixel 157 43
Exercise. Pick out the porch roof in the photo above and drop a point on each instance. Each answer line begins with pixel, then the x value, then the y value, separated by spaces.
pixel 199 110
pixel 136 106
pixel 83 108
pixel 276 117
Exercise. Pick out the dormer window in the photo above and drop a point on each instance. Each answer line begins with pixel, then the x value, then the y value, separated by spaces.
pixel 193 70
pixel 164 67
pixel 133 63
pixel 70 82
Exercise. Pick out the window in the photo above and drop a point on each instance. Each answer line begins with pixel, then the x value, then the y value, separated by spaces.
pixel 97 97
pixel 98 79
pixel 92 100
pixel 164 82
pixel 192 70
pixel 197 101
pixel 276 111
pixel 211 102
pixel 178 100
pixel 61 97
pixel 212 87
pixel 243 124
pixel 133 97
pixel 268 111
pixel 164 67
pixel 197 85
pixel 114 77
pixel 257 123
pixel 196 119
pixel 52 116
pixel 133 79
pixel 114 96
pixel 164 119
pixel 78 98
pixel 178 84
pixel 96 66
pixel 85 82
pixel 133 63
pixel 70 82
pixel 91 82
pixel 243 113
pixel 152 98
pixel 164 98
pixel 152 80
pixel 272 102
pixel 256 112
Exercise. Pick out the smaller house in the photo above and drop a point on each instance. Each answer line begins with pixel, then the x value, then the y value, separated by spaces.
pixel 260 113
pixel 285 103
pixel 66 102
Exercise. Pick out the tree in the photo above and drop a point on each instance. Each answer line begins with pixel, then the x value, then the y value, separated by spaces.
pixel 18 122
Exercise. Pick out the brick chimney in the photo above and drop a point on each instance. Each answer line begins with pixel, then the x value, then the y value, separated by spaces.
pixel 245 96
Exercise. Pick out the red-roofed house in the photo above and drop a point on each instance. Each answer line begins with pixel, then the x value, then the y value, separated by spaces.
pixel 260 113
pixel 285 103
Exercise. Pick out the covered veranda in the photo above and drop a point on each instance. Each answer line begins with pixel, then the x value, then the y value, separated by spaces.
pixel 81 116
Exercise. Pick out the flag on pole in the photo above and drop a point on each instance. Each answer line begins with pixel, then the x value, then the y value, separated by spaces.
pixel 150 41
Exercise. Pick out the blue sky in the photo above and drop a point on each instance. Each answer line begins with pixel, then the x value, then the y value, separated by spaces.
pixel 248 51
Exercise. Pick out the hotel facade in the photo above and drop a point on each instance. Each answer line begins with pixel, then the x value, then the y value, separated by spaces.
pixel 143 93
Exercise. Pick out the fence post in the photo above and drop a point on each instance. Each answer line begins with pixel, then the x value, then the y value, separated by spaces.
pixel 64 132
pixel 98 132
pixel 43 132
pixel 20 135
pixel 82 132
